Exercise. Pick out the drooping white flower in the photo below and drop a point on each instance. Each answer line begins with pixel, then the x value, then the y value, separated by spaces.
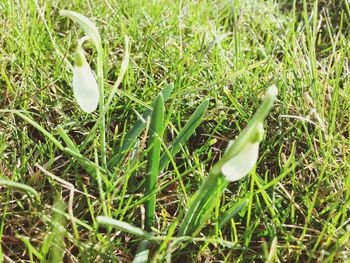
pixel 85 87
pixel 243 161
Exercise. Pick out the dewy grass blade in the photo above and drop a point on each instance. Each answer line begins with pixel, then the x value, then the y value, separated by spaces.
pixel 153 158
pixel 123 226
pixel 185 133
pixel 135 131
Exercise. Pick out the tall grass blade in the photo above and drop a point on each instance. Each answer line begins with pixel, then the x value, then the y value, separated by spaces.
pixel 123 226
pixel 132 135
pixel 185 133
pixel 153 158
pixel 233 211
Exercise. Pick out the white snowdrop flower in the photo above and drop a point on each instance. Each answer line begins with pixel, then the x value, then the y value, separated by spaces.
pixel 242 162
pixel 85 87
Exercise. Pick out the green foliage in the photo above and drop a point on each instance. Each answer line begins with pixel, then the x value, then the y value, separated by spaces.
pixel 21 187
pixel 184 134
pixel 131 136
pixel 292 207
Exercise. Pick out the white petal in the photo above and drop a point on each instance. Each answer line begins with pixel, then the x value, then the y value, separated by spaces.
pixel 85 88
pixel 241 164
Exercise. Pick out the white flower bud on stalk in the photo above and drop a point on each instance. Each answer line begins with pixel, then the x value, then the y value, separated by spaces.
pixel 85 87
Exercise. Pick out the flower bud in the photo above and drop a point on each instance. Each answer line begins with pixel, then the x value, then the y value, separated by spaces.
pixel 85 87
pixel 242 162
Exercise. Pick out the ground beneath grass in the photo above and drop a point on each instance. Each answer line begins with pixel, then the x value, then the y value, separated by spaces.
pixel 226 51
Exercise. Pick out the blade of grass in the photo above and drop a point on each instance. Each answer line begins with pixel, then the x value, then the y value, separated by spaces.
pixel 22 187
pixel 185 133
pixel 233 211
pixel 136 130
pixel 123 226
pixel 153 158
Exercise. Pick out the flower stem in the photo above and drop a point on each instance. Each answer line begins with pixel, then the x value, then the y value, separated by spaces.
pixel 101 105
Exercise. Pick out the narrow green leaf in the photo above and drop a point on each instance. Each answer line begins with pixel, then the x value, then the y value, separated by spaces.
pixel 153 158
pixel 142 252
pixel 185 133
pixel 233 211
pixel 68 141
pixel 22 187
pixel 132 135
pixel 57 245
pixel 123 226
pixel 201 205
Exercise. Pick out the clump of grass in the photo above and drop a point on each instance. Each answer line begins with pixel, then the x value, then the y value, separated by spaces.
pixel 293 207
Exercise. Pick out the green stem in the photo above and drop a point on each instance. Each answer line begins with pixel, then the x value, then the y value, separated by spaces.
pixel 101 105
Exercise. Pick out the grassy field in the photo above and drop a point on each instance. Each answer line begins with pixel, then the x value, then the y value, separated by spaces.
pixel 229 52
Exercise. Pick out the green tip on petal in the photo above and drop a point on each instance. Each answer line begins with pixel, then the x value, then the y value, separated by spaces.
pixel 79 58
pixel 258 134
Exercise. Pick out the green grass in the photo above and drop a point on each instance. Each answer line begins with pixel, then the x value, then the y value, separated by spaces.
pixel 226 51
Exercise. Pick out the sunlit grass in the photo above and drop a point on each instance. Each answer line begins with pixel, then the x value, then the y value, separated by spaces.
pixel 220 56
